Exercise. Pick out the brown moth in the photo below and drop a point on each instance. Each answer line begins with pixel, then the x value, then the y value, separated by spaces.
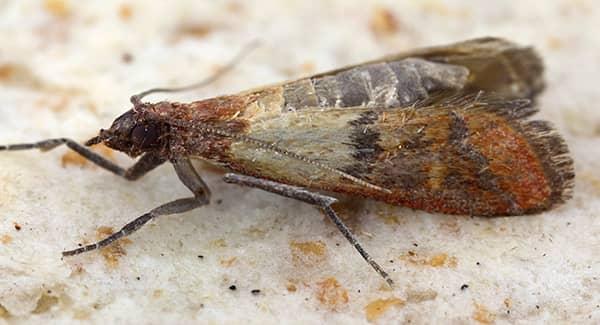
pixel 442 129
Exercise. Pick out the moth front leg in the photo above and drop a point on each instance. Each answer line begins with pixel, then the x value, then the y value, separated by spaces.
pixel 146 163
pixel 320 200
pixel 188 176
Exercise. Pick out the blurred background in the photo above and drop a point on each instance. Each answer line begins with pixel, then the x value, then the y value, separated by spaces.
pixel 67 68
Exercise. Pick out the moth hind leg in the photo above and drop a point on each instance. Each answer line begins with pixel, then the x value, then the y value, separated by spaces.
pixel 320 200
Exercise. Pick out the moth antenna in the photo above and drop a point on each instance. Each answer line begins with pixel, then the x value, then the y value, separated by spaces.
pixel 274 148
pixel 136 100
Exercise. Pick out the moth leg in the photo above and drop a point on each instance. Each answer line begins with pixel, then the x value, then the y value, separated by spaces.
pixel 145 164
pixel 187 174
pixel 323 201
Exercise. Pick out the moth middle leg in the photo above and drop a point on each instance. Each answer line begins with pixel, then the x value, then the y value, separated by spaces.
pixel 189 177
pixel 320 200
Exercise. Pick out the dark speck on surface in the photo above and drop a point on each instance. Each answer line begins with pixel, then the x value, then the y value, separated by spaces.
pixel 127 57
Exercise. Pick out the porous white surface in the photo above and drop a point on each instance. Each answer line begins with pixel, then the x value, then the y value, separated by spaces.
pixel 63 73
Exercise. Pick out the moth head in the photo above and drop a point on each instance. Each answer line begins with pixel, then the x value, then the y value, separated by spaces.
pixel 133 134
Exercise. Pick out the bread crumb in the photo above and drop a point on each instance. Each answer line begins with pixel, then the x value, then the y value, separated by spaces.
pixel 331 294
pixel 218 243
pixel 228 262
pixel 420 296
pixel 378 307
pixel 383 23
pixel 437 260
pixel 308 253
pixel 58 8
pixel 193 31
pixel 5 239
pixel 554 43
pixel 291 287
pixel 482 315
pixel 125 12
pixel 115 250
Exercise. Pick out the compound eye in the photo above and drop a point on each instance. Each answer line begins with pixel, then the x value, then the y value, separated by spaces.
pixel 145 136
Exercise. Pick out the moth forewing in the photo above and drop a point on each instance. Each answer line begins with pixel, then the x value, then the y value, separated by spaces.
pixel 470 155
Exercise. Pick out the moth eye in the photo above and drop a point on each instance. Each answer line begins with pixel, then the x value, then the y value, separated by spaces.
pixel 144 136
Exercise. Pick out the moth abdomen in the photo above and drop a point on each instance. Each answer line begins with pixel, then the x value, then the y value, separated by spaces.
pixel 377 85
pixel 487 64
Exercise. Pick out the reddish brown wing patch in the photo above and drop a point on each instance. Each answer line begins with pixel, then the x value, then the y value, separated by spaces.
pixel 512 159
pixel 476 158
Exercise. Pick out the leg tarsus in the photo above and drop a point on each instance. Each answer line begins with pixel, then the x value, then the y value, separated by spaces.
pixel 173 207
pixel 328 210
pixel 323 201
pixel 43 145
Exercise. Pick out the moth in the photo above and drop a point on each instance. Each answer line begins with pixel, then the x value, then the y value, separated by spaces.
pixel 442 129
